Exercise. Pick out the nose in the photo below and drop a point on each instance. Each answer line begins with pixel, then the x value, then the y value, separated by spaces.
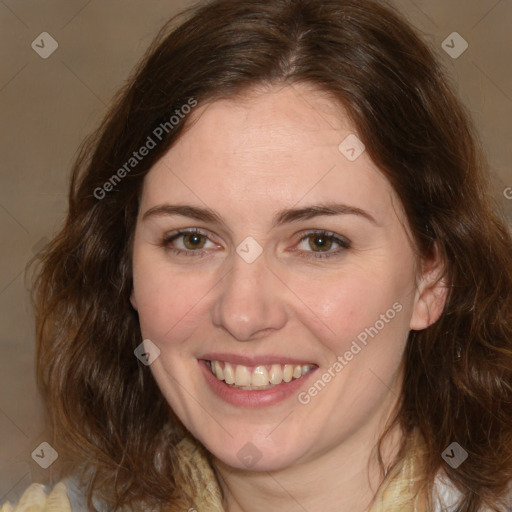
pixel 250 302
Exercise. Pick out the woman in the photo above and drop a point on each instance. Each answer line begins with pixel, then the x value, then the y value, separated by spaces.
pixel 280 282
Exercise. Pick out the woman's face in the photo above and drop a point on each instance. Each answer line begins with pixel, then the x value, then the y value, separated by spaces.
pixel 301 258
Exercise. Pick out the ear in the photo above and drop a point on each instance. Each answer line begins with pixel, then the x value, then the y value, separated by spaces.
pixel 132 300
pixel 431 293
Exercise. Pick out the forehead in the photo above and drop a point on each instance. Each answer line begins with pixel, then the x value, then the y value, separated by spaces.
pixel 276 147
pixel 287 121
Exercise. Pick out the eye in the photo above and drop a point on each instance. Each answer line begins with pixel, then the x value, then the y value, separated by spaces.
pixel 192 241
pixel 321 242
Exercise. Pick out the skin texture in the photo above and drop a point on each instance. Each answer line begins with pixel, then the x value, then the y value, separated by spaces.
pixel 248 158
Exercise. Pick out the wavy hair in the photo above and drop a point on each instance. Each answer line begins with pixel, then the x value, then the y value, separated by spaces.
pixel 104 407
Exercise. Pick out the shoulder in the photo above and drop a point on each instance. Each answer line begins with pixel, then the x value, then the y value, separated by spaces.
pixel 37 498
pixel 65 496
pixel 446 496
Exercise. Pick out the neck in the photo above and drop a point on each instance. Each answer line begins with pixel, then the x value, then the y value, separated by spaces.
pixel 344 478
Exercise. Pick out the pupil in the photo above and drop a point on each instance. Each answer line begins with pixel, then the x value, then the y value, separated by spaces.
pixel 194 239
pixel 321 241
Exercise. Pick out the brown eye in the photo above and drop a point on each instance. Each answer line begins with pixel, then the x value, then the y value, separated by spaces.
pixel 193 240
pixel 320 241
pixel 187 243
pixel 318 244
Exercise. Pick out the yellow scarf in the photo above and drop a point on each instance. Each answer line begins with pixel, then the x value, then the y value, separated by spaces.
pixel 399 494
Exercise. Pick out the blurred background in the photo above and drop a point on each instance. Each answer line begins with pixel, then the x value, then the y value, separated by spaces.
pixel 61 63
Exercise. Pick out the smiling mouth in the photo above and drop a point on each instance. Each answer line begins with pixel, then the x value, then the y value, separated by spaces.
pixel 260 377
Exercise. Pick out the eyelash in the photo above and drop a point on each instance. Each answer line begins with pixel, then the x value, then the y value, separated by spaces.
pixel 342 242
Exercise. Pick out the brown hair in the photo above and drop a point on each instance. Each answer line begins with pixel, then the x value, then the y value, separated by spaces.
pixel 105 407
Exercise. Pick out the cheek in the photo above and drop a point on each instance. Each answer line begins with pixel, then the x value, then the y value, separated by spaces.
pixel 167 303
pixel 343 308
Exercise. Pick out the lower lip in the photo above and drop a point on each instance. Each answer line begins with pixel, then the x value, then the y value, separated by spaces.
pixel 253 398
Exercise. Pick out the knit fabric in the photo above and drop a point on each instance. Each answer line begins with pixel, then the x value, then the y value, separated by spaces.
pixel 34 499
pixel 400 494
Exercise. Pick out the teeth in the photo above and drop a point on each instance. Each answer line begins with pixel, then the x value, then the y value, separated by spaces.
pixel 218 370
pixel 260 377
pixel 229 374
pixel 276 374
pixel 242 376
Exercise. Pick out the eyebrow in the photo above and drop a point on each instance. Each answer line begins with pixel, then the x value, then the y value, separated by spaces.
pixel 280 218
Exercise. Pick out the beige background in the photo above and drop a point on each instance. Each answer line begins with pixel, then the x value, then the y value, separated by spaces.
pixel 50 105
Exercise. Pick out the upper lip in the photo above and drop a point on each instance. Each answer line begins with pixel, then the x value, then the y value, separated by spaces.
pixel 253 360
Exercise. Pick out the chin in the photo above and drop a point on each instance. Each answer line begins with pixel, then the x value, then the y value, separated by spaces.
pixel 243 452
